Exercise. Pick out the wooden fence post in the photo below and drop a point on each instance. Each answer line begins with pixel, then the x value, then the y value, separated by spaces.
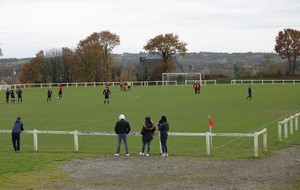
pixel 291 125
pixel 76 140
pixel 265 139
pixel 35 140
pixel 255 145
pixel 285 128
pixel 207 143
pixel 279 131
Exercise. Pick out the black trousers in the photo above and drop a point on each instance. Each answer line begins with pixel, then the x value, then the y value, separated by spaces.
pixel 16 141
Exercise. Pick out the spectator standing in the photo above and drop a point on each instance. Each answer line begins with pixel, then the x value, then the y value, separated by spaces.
pixel 15 133
pixel 163 127
pixel 147 132
pixel 122 128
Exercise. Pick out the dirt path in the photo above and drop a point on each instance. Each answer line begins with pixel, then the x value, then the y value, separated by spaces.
pixel 279 171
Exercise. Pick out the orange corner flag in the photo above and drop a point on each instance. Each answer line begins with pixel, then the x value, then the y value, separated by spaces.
pixel 210 122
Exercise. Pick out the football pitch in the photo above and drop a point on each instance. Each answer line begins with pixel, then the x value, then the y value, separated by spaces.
pixel 83 109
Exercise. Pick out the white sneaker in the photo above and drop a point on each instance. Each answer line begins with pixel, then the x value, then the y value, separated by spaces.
pixel 141 154
pixel 117 154
pixel 127 155
pixel 163 155
pixel 147 154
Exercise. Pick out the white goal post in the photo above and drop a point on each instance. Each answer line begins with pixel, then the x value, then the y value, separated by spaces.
pixel 180 78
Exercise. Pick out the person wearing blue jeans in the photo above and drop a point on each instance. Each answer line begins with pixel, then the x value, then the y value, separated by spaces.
pixel 122 128
pixel 163 127
pixel 15 134
pixel 147 132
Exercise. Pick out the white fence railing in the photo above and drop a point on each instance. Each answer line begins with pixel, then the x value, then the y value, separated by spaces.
pixel 233 82
pixel 293 120
pixel 203 82
pixel 208 136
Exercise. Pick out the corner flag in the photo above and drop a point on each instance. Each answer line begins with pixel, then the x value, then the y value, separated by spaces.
pixel 211 123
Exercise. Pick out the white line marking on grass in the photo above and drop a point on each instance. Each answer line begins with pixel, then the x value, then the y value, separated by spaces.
pixel 264 126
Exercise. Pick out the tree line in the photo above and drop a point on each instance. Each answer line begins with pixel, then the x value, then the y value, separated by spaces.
pixel 92 60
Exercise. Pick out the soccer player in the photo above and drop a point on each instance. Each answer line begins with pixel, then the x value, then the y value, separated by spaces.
pixel 197 87
pixel 249 92
pixel 7 95
pixel 19 92
pixel 49 93
pixel 106 93
pixel 12 95
pixel 60 91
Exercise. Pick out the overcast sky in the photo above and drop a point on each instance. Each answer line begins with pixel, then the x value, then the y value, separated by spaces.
pixel 27 26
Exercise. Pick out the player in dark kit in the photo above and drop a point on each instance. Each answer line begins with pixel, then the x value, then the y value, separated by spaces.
pixel 12 95
pixel 106 93
pixel 19 92
pixel 7 95
pixel 49 93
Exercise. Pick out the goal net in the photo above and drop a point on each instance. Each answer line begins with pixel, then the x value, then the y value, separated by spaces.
pixel 181 78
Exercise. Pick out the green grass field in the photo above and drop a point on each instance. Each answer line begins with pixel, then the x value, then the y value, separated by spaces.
pixel 82 109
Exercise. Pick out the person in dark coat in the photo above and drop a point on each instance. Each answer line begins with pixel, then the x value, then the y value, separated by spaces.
pixel 147 132
pixel 163 127
pixel 15 133
pixel 122 128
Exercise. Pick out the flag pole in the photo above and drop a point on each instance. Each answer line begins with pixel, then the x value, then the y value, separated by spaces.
pixel 211 141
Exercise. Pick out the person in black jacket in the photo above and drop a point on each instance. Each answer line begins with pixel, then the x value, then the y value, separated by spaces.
pixel 147 132
pixel 163 127
pixel 15 133
pixel 122 128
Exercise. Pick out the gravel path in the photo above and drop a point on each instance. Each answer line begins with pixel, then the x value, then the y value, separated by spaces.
pixel 279 171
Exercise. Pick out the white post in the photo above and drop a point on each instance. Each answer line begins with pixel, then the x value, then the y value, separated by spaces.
pixel 265 140
pixel 207 143
pixel 160 148
pixel 279 131
pixel 296 122
pixel 291 125
pixel 35 140
pixel 255 145
pixel 211 142
pixel 285 128
pixel 76 140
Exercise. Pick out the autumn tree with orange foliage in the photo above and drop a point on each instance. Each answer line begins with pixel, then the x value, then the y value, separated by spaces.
pixel 166 46
pixel 108 41
pixel 93 57
pixel 32 72
pixel 288 46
